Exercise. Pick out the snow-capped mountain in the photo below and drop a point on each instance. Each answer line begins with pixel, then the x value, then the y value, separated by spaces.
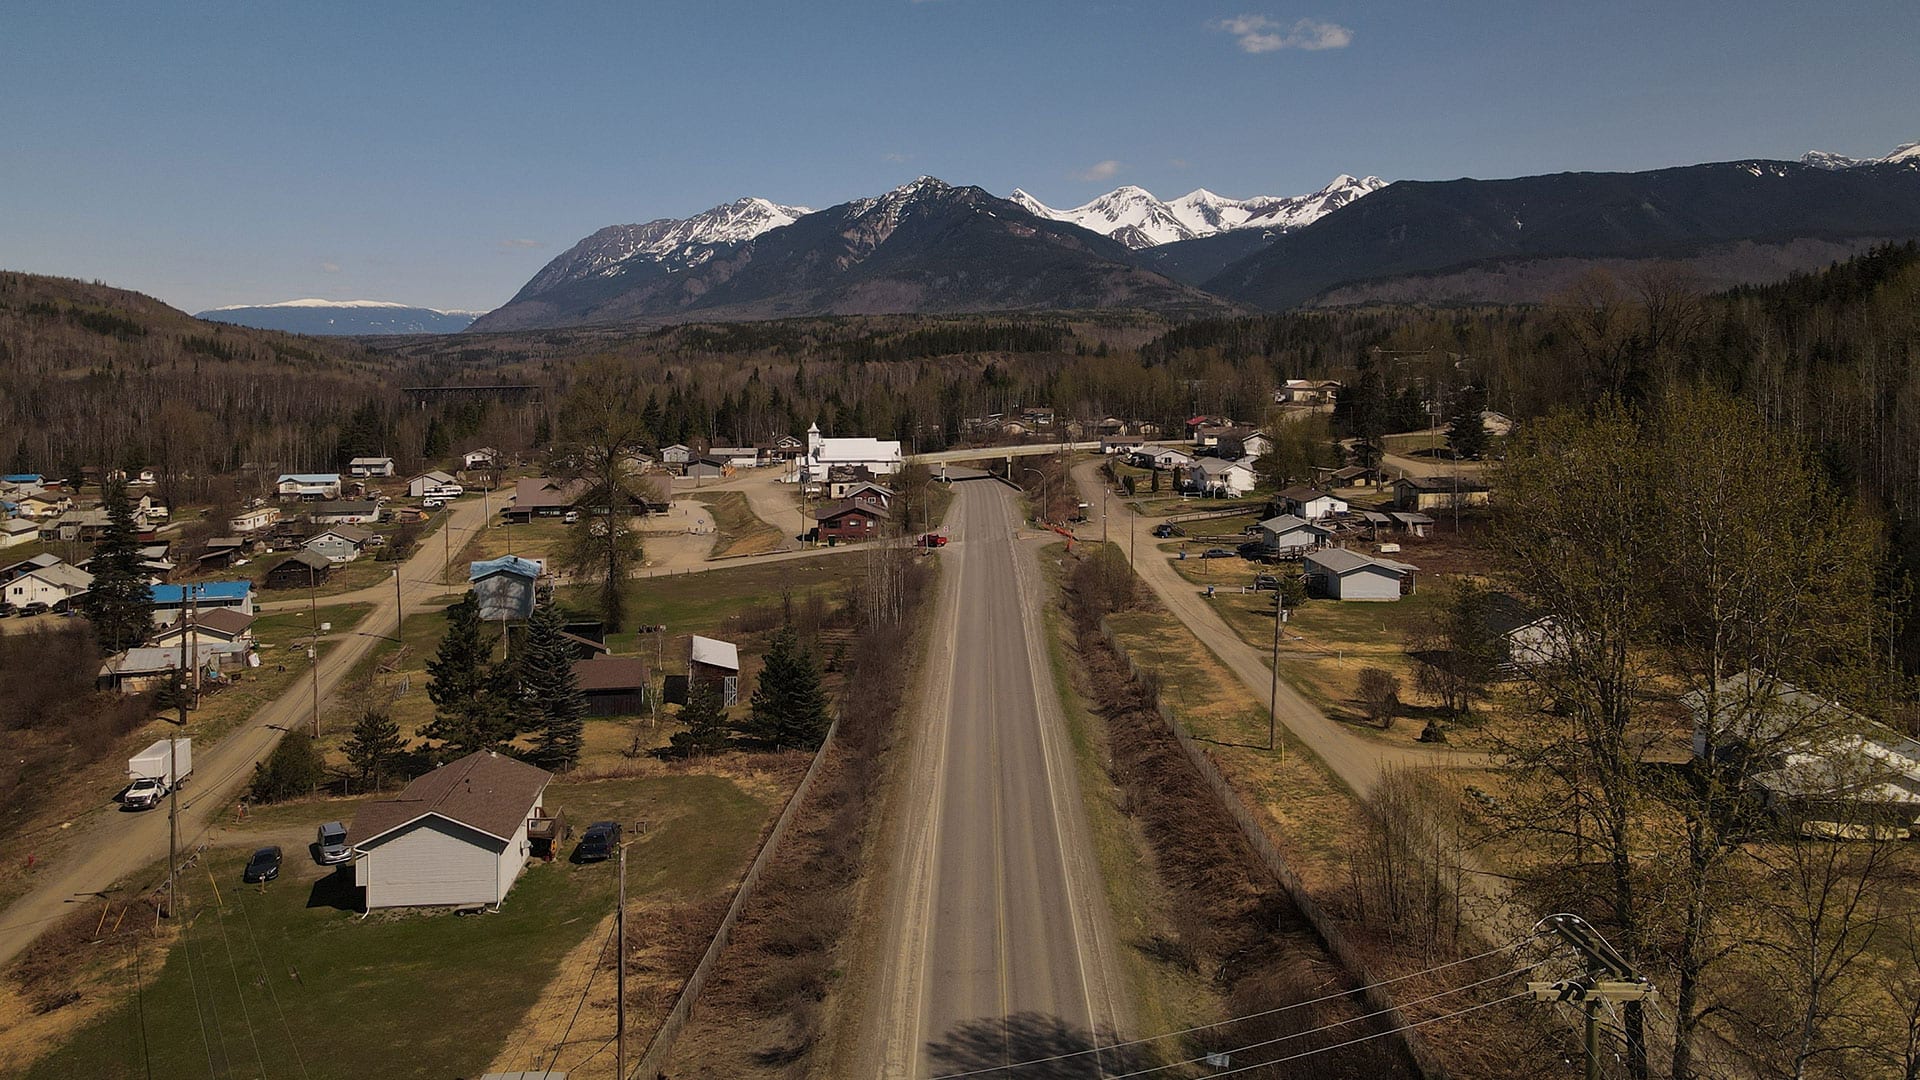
pixel 1907 154
pixel 685 241
pixel 342 317
pixel 925 246
pixel 1133 216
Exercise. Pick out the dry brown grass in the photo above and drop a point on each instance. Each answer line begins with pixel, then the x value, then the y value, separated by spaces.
pixel 741 532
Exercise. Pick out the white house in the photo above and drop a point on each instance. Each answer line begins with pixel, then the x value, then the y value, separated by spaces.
pixel 253 520
pixel 15 531
pixel 677 454
pixel 370 466
pixel 1528 639
pixel 1306 391
pixel 485 457
pixel 1339 574
pixel 738 457
pixel 50 585
pixel 1220 477
pixel 456 836
pixel 1310 503
pixel 880 457
pixel 308 485
pixel 1290 533
pixel 1171 457
pixel 434 485
pixel 340 543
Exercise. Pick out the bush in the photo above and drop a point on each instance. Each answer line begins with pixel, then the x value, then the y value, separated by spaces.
pixel 295 769
pixel 1380 695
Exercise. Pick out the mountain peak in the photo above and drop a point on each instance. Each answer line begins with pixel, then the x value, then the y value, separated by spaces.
pixel 1904 154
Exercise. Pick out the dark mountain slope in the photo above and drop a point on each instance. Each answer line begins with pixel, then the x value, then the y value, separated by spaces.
pixel 1416 228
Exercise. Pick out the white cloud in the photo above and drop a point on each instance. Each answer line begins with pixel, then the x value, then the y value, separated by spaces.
pixel 1105 170
pixel 896 157
pixel 521 245
pixel 1265 34
pixel 329 266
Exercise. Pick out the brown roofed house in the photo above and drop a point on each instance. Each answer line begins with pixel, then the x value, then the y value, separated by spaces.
pixel 456 836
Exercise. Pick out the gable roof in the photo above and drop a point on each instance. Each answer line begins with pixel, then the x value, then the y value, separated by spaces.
pixel 206 590
pixel 309 478
pixel 507 564
pixel 1341 561
pixel 611 673
pixel 220 620
pixel 483 791
pixel 61 576
pixel 722 654
pixel 1286 523
pixel 539 492
pixel 435 475
pixel 304 558
pixel 152 659
pixel 344 506
pixel 1443 485
pixel 353 534
pixel 369 460
pixel 848 506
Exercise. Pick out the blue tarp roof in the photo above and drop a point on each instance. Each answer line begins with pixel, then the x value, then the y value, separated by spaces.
pixel 22 478
pixel 210 590
pixel 512 563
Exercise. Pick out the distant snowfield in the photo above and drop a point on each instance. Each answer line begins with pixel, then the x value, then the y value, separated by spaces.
pixel 315 302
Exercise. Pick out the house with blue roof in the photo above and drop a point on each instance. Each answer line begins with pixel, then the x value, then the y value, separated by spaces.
pixel 505 587
pixel 170 601
pixel 308 485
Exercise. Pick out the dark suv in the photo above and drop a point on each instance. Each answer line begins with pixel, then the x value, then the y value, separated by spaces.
pixel 598 842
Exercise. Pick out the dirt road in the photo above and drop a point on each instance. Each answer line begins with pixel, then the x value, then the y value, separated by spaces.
pixel 998 946
pixel 112 845
pixel 1357 760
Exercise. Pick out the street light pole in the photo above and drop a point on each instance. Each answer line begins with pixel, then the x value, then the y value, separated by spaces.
pixel 620 971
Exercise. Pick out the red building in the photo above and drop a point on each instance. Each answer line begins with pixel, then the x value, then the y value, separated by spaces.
pixel 850 519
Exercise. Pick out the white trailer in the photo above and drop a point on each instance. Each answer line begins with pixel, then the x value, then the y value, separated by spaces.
pixel 169 761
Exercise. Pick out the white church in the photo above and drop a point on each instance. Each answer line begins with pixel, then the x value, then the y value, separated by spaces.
pixel 881 457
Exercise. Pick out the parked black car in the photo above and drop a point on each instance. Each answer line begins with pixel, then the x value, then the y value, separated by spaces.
pixel 598 842
pixel 1166 529
pixel 264 866
pixel 1216 553
pixel 1264 582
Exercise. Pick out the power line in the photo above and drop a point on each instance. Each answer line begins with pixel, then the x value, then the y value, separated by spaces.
pixel 239 991
pixel 595 970
pixel 140 1008
pixel 213 1004
pixel 193 987
pixel 272 994
pixel 1361 1039
pixel 1335 1024
pixel 1522 943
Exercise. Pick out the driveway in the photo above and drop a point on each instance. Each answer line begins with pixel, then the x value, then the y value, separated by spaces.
pixel 107 846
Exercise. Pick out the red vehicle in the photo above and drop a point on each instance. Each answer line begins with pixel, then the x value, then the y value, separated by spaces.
pixel 933 540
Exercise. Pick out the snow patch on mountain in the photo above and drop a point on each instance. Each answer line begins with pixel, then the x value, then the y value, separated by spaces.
pixel 1905 154
pixel 1134 217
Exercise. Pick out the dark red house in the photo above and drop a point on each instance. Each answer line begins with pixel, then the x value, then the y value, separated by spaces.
pixel 850 519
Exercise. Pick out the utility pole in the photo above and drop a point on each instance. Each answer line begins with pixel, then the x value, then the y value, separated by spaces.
pixel 313 649
pixel 173 751
pixel 1609 977
pixel 1273 690
pixel 620 971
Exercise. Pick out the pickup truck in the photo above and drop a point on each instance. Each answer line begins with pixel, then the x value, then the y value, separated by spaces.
pixel 933 540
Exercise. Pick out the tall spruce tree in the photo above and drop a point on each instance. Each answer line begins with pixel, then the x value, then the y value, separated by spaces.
pixel 706 721
pixel 789 707
pixel 1467 430
pixel 472 707
pixel 551 702
pixel 374 746
pixel 118 602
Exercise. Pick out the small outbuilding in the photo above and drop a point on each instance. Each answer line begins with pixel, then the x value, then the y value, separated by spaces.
pixel 718 663
pixel 613 685
pixel 1439 493
pixel 506 587
pixel 300 570
pixel 454 837
pixel 1340 574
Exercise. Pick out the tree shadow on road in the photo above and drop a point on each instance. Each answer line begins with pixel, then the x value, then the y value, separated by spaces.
pixel 1030 1046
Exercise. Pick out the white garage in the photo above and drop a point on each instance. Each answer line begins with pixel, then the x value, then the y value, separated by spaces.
pixel 455 836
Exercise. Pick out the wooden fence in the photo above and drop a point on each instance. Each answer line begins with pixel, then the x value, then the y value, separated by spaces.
pixel 1377 998
pixel 654 1061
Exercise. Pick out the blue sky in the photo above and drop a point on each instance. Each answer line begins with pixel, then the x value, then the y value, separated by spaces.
pixel 439 154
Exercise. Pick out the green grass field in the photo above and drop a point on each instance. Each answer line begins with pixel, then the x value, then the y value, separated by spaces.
pixel 281 981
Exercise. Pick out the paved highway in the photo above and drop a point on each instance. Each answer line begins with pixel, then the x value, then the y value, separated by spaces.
pixel 998 945
pixel 109 846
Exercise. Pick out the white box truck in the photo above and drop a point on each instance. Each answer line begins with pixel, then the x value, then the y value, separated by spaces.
pixel 154 771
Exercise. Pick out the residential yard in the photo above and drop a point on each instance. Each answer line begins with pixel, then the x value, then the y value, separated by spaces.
pixel 536 539
pixel 740 531
pixel 286 979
